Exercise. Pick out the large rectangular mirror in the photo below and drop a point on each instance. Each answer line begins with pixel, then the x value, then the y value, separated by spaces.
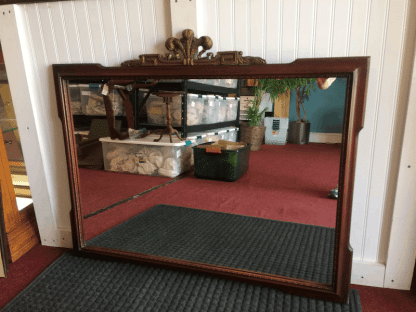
pixel 141 199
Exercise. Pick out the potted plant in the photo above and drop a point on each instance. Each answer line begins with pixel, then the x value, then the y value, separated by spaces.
pixel 299 130
pixel 253 131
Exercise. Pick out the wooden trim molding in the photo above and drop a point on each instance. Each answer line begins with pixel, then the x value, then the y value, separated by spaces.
pixel 21 228
pixel 4 2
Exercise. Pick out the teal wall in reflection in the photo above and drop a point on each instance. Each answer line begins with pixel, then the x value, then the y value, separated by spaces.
pixel 325 108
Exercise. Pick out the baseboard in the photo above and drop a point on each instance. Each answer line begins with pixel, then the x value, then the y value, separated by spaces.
pixel 58 238
pixel 368 274
pixel 329 138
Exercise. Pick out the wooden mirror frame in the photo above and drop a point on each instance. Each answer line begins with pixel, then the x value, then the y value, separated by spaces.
pixel 181 63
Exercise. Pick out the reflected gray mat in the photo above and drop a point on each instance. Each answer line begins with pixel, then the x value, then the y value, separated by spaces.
pixel 255 244
pixel 74 283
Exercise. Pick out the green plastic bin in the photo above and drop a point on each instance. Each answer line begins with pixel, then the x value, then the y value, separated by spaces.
pixel 229 166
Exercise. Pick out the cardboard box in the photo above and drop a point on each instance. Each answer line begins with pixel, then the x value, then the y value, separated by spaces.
pixel 282 105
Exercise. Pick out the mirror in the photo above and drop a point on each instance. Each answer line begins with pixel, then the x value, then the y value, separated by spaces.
pixel 268 219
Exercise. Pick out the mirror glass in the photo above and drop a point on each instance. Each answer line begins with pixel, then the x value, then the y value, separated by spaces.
pixel 271 211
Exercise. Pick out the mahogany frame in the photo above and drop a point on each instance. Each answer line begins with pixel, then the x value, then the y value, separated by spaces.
pixel 355 69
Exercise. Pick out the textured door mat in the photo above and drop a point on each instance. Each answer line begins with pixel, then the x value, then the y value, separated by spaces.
pixel 75 283
pixel 256 244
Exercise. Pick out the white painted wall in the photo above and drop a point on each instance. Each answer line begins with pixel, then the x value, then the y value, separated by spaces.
pixel 34 37
pixel 283 30
pixel 111 31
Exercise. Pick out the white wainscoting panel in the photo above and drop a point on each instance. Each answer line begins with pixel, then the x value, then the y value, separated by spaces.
pixel 85 31
pixel 284 30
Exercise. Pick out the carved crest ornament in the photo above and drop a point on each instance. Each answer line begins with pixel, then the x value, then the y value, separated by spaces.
pixel 185 52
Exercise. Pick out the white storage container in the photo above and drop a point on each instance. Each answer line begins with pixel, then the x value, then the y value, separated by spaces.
pixel 222 109
pixel 93 102
pixel 232 106
pixel 210 110
pixel 233 135
pixel 156 111
pixel 195 109
pixel 230 83
pixel 228 134
pixel 146 157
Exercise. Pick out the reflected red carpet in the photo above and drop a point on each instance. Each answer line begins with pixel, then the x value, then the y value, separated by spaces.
pixel 288 183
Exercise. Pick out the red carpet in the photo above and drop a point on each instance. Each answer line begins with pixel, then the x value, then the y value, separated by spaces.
pixel 95 186
pixel 288 183
pixel 25 270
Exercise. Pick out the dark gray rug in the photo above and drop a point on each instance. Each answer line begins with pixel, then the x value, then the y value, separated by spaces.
pixel 74 283
pixel 255 244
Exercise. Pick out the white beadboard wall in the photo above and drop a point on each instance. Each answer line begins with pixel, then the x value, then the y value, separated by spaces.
pixel 35 36
pixel 282 30
pixel 111 31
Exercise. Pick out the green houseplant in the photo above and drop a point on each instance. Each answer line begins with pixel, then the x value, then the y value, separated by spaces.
pixel 300 129
pixel 253 132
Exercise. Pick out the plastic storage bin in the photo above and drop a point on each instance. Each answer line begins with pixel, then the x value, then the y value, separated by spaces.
pixel 211 108
pixel 229 165
pixel 146 157
pixel 232 107
pixel 157 111
pixel 222 109
pixel 195 109
pixel 227 134
pixel 93 102
pixel 228 83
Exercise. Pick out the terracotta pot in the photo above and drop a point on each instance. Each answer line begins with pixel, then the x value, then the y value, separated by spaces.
pixel 253 135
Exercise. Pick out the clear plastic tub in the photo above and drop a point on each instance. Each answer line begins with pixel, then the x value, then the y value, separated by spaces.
pixel 228 83
pixel 222 109
pixel 232 106
pixel 195 109
pixel 211 110
pixel 146 157
pixel 233 135
pixel 227 134
pixel 157 111
pixel 93 102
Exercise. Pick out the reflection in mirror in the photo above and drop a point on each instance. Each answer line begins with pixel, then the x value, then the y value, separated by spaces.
pixel 265 211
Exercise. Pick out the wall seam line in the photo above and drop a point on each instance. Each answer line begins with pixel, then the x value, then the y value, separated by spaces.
pixel 350 13
pixel 393 117
pixel 104 42
pixel 115 31
pixel 87 17
pixel 331 34
pixel 55 46
pixel 61 13
pixel 140 17
pixel 315 20
pixel 81 57
pixel 155 23
pixel 376 114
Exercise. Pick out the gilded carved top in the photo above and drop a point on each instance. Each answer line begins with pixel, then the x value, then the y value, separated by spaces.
pixel 184 51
